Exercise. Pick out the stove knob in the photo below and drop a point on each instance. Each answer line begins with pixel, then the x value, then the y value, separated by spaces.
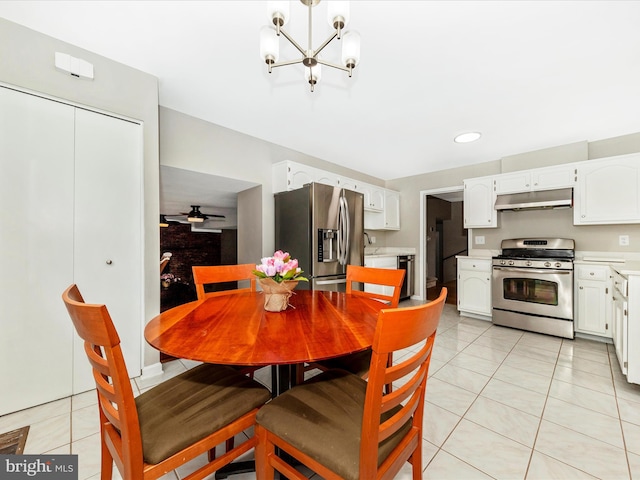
pixel 547 264
pixel 503 262
pixel 529 263
pixel 511 262
pixel 558 264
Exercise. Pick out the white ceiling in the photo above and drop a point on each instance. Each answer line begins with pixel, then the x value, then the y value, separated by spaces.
pixel 527 74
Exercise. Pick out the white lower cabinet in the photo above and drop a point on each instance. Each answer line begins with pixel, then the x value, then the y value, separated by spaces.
pixel 70 184
pixel 386 261
pixel 620 319
pixel 593 297
pixel 474 286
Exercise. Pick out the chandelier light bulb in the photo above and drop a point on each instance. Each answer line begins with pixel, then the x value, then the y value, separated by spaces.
pixel 351 50
pixel 338 14
pixel 278 13
pixel 269 45
pixel 313 75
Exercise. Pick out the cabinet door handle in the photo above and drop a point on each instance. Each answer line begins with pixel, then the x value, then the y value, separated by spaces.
pixel 109 262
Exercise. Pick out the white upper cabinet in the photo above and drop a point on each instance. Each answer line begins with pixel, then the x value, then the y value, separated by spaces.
pixel 291 175
pixel 547 178
pixel 479 200
pixel 608 191
pixel 391 210
pixel 350 184
pixel 373 198
pixel 386 219
pixel 512 182
pixel 562 176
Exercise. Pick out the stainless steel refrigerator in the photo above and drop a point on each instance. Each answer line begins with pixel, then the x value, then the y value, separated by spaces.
pixel 323 227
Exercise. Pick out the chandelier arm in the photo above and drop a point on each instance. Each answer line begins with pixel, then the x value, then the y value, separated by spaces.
pixel 293 42
pixel 326 42
pixel 333 65
pixel 286 62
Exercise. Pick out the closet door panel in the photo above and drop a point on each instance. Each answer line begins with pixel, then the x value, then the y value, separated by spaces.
pixel 36 240
pixel 108 229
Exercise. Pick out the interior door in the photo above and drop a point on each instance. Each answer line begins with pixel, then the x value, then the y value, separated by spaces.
pixel 108 230
pixel 36 240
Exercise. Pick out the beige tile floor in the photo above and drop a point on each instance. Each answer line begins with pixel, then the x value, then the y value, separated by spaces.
pixel 501 404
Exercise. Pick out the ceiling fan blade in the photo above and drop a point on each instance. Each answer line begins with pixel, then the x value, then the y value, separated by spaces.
pixel 208 215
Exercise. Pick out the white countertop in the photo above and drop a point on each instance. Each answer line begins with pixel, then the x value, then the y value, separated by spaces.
pixel 628 268
pixel 626 264
pixel 372 252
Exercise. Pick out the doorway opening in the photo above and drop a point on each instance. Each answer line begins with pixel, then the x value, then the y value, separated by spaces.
pixel 444 238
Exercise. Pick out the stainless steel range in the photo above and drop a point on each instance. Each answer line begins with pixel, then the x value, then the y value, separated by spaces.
pixel 532 285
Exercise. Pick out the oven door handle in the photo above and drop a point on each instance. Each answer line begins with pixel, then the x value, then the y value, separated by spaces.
pixel 533 270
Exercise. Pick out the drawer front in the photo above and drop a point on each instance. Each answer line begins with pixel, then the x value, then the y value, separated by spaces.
pixel 621 283
pixel 475 264
pixel 592 272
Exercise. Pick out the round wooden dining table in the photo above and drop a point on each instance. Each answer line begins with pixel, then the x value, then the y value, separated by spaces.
pixel 236 330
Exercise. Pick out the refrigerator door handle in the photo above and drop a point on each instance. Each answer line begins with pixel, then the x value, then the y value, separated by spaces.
pixel 340 237
pixel 343 231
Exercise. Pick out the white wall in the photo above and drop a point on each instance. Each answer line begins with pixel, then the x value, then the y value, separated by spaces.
pixel 193 144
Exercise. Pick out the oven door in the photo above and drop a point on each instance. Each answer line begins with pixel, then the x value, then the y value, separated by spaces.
pixel 547 293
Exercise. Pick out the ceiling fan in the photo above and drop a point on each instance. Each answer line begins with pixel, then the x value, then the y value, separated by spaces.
pixel 196 216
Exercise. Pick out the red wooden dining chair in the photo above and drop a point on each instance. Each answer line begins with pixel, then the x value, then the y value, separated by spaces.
pixel 344 427
pixel 170 424
pixel 204 275
pixel 358 362
pixel 222 274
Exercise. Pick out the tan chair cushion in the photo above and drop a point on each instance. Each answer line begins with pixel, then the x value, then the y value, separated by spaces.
pixel 323 418
pixel 190 406
pixel 356 363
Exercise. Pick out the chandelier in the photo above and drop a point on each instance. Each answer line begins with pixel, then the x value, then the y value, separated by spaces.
pixel 338 17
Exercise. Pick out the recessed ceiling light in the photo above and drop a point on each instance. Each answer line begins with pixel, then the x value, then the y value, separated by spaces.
pixel 467 137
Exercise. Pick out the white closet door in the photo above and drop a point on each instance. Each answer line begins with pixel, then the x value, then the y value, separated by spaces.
pixel 36 247
pixel 108 230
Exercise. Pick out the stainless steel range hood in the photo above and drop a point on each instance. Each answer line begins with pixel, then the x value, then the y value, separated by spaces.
pixel 561 198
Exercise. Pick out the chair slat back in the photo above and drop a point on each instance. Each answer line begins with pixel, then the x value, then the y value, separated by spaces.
pixel 398 329
pixel 115 395
pixel 212 274
pixel 377 276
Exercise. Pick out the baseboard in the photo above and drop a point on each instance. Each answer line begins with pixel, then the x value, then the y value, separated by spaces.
pixel 151 371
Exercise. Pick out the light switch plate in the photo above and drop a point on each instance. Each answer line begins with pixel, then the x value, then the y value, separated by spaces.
pixel 479 240
pixel 624 240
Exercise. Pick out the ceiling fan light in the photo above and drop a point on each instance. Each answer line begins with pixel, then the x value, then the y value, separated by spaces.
pixel 195 215
pixel 269 44
pixel 351 49
pixel 278 12
pixel 338 14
